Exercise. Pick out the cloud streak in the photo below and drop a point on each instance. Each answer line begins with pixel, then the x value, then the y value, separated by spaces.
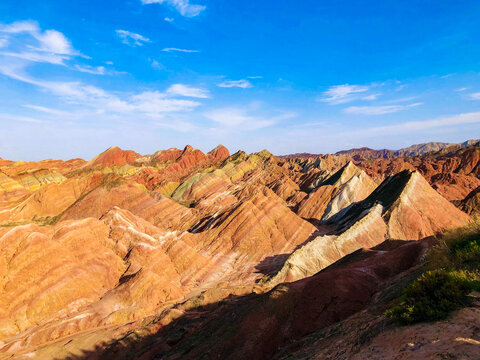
pixel 340 94
pixel 244 84
pixel 49 46
pixel 180 50
pixel 411 126
pixel 27 119
pixel 182 6
pixel 378 110
pixel 188 91
pixel 240 119
pixel 154 104
pixel 131 39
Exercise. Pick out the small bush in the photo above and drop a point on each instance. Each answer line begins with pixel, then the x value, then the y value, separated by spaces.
pixel 457 249
pixel 433 296
pixel 467 250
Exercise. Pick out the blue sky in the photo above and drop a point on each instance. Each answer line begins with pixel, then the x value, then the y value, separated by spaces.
pixel 317 76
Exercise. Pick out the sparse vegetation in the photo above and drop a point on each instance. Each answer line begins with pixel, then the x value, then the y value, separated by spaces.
pixel 452 273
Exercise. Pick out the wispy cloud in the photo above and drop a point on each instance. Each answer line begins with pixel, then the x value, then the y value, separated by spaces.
pixel 188 91
pixel 378 110
pixel 236 117
pixel 27 119
pixel 96 70
pixel 3 42
pixel 168 19
pixel 150 103
pixel 49 46
pixel 340 94
pixel 32 45
pixel 371 97
pixel 460 89
pixel 156 65
pixel 407 127
pixel 475 96
pixel 46 110
pixel 131 38
pixel 254 77
pixel 241 119
pixel 236 83
pixel 180 50
pixel 182 6
pixel 51 41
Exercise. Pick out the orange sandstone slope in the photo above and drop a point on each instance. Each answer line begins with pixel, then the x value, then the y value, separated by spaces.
pixel 91 250
pixel 403 207
pixel 113 156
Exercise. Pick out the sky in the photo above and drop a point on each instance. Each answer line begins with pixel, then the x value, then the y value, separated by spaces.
pixel 79 76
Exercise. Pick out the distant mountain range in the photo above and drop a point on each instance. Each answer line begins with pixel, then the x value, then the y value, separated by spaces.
pixel 413 150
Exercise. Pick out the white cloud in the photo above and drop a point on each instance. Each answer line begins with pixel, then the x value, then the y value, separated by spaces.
pixel 10 117
pixel 168 19
pixel 156 65
pixel 371 97
pixel 49 46
pixel 151 103
pixel 188 91
pixel 55 42
pixel 180 50
pixel 255 77
pixel 35 56
pixel 234 118
pixel 475 96
pixel 96 70
pixel 411 126
pixel 236 83
pixel 378 110
pixel 4 42
pixel 240 119
pixel 17 27
pixel 182 6
pixel 154 103
pixel 48 110
pixel 340 94
pixel 131 38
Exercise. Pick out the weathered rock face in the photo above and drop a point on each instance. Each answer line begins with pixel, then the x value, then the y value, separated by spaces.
pixel 368 231
pixel 48 273
pixel 113 156
pixel 420 212
pixel 126 242
pixel 412 209
pixel 471 203
pixel 315 204
pixel 52 199
pixel 346 186
pixel 403 207
pixel 258 326
pixel 162 212
pixel 163 156
pixel 218 154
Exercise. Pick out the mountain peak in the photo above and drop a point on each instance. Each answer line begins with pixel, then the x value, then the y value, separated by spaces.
pixel 113 156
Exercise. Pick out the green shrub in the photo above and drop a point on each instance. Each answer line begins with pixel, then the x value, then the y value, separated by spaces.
pixel 433 296
pixel 457 249
pixel 467 250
